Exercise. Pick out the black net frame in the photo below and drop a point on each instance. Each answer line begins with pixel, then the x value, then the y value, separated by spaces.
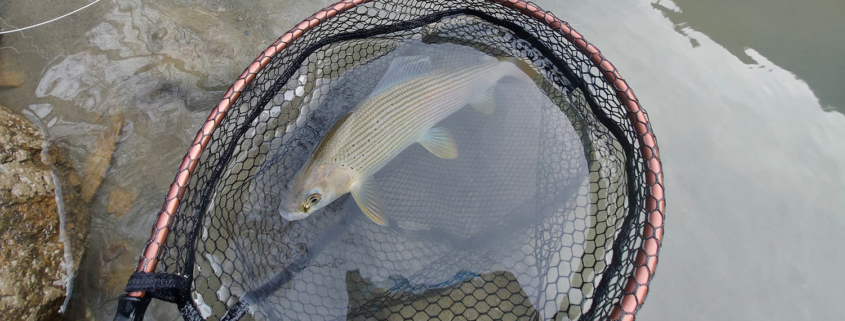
pixel 166 269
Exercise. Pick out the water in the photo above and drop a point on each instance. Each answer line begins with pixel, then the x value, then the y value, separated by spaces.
pixel 753 164
pixel 749 130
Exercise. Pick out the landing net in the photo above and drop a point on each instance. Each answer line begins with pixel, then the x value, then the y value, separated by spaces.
pixel 553 210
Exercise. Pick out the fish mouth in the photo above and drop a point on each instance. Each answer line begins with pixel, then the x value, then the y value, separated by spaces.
pixel 293 216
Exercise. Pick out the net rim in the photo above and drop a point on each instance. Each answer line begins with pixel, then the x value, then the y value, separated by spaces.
pixel 637 282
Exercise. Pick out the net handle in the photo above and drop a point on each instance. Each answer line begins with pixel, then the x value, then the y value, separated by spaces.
pixel 636 287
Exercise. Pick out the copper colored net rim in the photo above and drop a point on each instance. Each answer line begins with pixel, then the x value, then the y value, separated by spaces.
pixel 636 286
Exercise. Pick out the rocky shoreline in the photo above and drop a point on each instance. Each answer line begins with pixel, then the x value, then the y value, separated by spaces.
pixel 35 268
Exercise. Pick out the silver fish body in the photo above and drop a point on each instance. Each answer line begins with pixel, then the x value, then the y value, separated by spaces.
pixel 403 109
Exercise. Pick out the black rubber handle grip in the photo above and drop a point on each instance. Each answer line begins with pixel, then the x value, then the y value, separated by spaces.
pixel 131 308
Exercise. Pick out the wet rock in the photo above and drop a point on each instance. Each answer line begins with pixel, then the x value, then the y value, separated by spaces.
pixel 8 78
pixel 100 158
pixel 120 201
pixel 11 79
pixel 195 18
pixel 33 274
pixel 115 275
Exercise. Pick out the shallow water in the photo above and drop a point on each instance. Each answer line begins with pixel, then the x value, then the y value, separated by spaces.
pixel 749 130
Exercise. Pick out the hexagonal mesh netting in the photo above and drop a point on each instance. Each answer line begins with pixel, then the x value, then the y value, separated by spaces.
pixel 554 210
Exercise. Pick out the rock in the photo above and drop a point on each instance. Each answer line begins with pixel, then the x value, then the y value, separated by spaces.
pixel 196 19
pixel 11 79
pixel 120 201
pixel 100 158
pixel 33 279
pixel 115 276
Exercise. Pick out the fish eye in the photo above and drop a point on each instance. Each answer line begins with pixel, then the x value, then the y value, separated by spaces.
pixel 314 198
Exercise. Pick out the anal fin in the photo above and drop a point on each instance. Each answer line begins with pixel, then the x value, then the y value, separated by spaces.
pixel 439 142
pixel 365 194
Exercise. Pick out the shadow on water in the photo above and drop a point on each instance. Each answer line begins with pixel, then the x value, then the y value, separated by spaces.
pixel 804 37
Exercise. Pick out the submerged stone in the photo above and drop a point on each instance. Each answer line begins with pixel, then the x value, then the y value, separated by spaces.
pixel 121 200
pixel 368 301
pixel 11 79
pixel 100 158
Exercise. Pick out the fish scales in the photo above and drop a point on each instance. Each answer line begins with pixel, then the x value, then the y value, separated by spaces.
pixel 398 117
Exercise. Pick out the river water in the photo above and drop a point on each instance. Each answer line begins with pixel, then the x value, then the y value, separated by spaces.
pixel 745 98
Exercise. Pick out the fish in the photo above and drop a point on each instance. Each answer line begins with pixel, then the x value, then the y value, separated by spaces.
pixel 403 109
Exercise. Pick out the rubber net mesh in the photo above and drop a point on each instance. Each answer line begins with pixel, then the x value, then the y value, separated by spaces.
pixel 537 218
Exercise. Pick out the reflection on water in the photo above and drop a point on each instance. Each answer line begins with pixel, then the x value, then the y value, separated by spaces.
pixel 804 37
pixel 753 167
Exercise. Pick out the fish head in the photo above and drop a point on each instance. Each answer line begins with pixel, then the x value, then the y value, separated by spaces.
pixel 313 189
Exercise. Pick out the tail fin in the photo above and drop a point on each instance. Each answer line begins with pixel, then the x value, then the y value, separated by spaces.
pixel 523 66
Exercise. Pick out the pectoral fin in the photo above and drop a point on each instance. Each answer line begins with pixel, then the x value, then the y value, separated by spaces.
pixel 439 142
pixel 484 102
pixel 365 194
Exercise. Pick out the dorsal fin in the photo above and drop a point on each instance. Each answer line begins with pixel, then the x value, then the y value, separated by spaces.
pixel 402 69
